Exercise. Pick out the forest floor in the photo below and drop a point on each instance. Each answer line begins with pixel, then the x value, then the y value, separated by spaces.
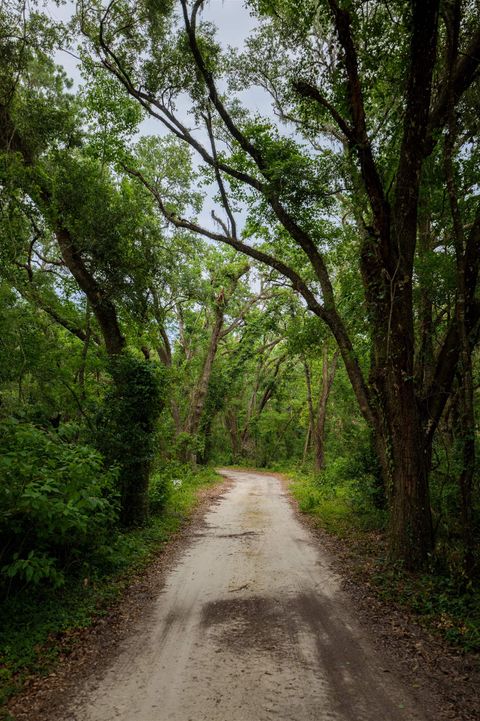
pixel 248 617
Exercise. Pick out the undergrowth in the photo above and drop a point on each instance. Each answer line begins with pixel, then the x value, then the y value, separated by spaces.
pixel 36 628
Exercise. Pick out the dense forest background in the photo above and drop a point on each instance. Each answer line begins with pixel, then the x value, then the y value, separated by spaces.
pixel 292 291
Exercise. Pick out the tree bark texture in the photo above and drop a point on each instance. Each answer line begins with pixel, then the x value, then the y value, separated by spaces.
pixel 102 307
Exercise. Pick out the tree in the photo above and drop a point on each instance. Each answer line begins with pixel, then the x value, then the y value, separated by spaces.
pixel 374 135
pixel 316 428
pixel 202 318
pixel 259 361
pixel 66 202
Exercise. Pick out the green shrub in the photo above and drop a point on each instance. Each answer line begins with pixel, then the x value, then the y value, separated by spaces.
pixel 56 502
pixel 126 429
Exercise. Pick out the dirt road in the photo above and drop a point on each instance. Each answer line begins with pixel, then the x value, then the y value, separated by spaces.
pixel 251 626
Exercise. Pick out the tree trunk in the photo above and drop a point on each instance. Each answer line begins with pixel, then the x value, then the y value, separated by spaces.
pixel 318 418
pixel 307 444
pixel 328 375
pixel 404 449
pixel 410 524
pixel 192 424
pixel 102 307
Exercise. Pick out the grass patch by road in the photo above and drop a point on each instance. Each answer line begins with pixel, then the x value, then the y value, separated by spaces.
pixel 38 624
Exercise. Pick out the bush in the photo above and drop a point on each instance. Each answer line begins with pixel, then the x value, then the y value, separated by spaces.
pixel 56 502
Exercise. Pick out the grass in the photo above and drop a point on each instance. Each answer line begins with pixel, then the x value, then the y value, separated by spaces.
pixel 37 626
pixel 337 508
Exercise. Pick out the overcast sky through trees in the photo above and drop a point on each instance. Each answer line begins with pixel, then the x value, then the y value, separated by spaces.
pixel 234 23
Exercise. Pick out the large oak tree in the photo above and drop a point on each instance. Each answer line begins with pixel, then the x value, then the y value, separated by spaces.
pixel 382 93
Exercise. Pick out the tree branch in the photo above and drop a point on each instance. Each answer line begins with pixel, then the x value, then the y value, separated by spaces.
pixel 241 316
pixel 328 315
pixel 307 90
pixel 419 89
pixel 297 233
pixel 358 136
pixel 297 282
pixel 463 74
pixel 33 297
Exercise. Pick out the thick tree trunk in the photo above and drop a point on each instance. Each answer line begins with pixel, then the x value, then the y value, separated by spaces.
pixel 402 444
pixel 410 525
pixel 405 448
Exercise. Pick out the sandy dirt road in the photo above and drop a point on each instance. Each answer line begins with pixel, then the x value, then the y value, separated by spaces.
pixel 251 626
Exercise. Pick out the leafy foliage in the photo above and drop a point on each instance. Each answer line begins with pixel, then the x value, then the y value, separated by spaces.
pixel 57 504
pixel 126 425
